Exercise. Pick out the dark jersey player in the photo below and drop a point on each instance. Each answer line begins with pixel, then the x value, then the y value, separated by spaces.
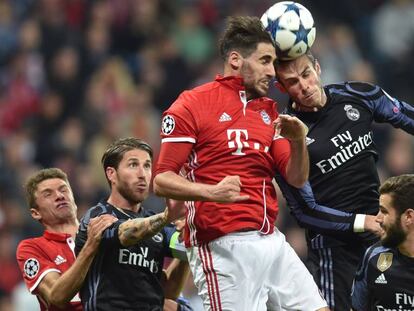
pixel 385 277
pixel 343 180
pixel 126 273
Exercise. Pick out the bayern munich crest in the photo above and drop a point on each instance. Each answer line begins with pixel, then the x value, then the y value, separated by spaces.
pixel 352 113
pixel 31 267
pixel 265 117
pixel 168 125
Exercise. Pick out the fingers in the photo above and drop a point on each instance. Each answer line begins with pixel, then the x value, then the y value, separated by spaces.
pixel 241 198
pixel 98 224
pixel 232 180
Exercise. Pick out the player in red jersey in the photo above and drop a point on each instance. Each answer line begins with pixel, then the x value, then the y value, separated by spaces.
pixel 222 138
pixel 48 262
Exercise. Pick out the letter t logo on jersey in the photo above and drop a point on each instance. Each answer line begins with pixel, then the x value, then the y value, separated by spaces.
pixel 235 139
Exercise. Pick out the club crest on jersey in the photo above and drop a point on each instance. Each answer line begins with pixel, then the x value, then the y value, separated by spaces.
pixel 168 125
pixel 31 267
pixel 384 261
pixel 158 237
pixel 352 113
pixel 265 117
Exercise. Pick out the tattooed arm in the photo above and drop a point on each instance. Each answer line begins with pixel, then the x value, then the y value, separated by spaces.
pixel 133 230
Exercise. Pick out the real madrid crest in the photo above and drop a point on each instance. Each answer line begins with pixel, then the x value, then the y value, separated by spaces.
pixel 384 261
pixel 158 237
pixel 265 117
pixel 352 113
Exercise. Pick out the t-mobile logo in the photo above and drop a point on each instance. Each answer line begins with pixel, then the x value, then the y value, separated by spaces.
pixel 237 138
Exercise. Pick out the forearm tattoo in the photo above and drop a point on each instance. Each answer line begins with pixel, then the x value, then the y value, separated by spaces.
pixel 141 228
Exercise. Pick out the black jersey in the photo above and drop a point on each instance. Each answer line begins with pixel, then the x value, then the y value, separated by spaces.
pixel 343 176
pixel 123 278
pixel 384 281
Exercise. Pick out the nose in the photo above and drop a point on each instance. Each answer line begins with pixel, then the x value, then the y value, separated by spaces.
pixel 303 85
pixel 379 218
pixel 59 195
pixel 270 72
pixel 140 171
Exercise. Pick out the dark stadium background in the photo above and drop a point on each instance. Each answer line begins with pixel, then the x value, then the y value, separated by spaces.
pixel 76 74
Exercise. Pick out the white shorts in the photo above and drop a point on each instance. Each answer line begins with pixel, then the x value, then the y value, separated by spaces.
pixel 252 272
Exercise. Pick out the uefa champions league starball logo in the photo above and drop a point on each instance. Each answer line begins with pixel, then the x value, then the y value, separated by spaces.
pixel 168 125
pixel 31 268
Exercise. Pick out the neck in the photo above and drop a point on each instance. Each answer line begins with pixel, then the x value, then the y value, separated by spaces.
pixel 229 71
pixel 324 99
pixel 69 228
pixel 117 200
pixel 407 247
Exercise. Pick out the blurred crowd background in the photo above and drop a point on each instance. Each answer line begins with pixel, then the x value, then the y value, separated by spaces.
pixel 77 74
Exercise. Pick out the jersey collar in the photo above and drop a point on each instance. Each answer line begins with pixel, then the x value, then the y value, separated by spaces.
pixel 61 237
pixel 234 82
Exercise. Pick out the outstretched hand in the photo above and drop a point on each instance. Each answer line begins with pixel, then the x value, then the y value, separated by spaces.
pixel 227 190
pixel 290 127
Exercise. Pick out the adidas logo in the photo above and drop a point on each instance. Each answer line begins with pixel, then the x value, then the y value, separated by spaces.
pixel 59 260
pixel 381 279
pixel 224 117
pixel 309 141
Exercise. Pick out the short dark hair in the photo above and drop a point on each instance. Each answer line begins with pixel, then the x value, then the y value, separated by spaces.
pixel 34 181
pixel 280 62
pixel 243 34
pixel 401 190
pixel 113 155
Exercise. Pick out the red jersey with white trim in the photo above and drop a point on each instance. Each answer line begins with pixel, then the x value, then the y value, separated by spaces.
pixel 39 256
pixel 231 136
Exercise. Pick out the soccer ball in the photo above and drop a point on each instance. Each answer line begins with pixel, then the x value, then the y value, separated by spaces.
pixel 292 28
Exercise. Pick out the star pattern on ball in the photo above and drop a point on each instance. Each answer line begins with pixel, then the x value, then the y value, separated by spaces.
pixel 168 125
pixel 31 267
pixel 293 7
pixel 302 34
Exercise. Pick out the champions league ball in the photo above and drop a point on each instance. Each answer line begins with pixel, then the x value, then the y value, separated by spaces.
pixel 292 28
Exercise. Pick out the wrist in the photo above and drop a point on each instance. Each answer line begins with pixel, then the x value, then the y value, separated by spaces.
pixel 359 223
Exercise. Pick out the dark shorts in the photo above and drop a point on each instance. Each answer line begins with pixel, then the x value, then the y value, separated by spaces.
pixel 334 270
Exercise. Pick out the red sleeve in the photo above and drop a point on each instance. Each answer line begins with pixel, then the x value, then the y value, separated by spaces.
pixel 179 122
pixel 280 151
pixel 33 263
pixel 173 156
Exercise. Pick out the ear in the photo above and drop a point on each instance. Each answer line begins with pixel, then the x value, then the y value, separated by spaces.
pixel 35 214
pixel 110 174
pixel 235 60
pixel 318 67
pixel 409 217
pixel 280 87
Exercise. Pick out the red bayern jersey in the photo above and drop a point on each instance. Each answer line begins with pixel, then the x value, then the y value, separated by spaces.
pixel 230 136
pixel 39 256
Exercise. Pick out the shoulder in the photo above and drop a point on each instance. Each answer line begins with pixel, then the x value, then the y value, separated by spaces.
pixel 29 244
pixel 199 92
pixel 362 90
pixel 375 251
pixel 99 209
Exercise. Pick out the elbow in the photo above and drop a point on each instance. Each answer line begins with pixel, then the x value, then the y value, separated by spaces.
pixel 58 300
pixel 157 187
pixel 298 182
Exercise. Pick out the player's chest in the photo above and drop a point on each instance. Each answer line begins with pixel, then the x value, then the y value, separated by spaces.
pixel 339 135
pixel 62 254
pixel 393 287
pixel 231 126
